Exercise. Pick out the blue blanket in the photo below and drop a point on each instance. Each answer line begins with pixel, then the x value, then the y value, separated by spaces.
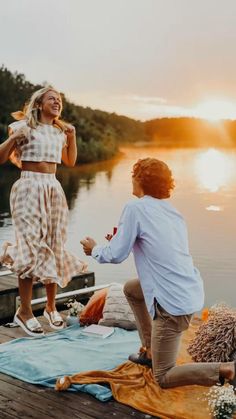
pixel 67 352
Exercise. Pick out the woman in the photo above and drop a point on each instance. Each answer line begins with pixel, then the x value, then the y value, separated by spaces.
pixel 38 141
pixel 169 289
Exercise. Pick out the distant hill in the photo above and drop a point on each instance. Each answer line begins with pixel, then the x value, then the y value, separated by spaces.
pixel 191 132
pixel 98 133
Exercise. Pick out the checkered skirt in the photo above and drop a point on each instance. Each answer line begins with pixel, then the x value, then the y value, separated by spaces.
pixel 39 214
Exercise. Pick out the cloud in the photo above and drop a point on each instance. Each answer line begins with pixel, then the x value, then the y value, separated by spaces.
pixel 147 99
pixel 132 105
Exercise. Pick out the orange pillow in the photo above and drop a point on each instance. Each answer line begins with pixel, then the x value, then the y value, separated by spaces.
pixel 93 310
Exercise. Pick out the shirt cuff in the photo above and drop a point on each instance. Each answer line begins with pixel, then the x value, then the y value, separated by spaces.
pixel 95 252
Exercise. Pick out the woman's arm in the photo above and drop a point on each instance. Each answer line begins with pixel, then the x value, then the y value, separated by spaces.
pixel 69 152
pixel 10 144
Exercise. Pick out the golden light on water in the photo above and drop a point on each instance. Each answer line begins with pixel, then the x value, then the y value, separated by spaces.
pixel 215 208
pixel 214 169
pixel 216 109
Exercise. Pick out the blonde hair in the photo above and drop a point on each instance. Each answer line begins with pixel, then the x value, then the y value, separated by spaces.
pixel 31 114
pixel 31 111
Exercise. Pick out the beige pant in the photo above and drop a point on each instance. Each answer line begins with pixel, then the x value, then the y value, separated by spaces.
pixel 163 335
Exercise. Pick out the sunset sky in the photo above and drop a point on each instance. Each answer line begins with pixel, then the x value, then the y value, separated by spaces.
pixel 141 58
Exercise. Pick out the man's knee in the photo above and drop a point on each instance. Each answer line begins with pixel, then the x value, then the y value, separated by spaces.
pixel 130 286
pixel 160 380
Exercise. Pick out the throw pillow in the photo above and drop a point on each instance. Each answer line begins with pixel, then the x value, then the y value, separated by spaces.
pixel 116 311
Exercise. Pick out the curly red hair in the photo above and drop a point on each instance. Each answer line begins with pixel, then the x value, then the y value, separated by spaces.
pixel 154 176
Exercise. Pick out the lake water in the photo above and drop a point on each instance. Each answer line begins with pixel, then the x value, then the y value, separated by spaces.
pixel 205 194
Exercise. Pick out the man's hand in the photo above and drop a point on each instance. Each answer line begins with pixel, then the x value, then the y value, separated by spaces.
pixel 108 237
pixel 88 244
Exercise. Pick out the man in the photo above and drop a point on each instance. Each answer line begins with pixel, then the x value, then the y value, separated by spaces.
pixel 169 289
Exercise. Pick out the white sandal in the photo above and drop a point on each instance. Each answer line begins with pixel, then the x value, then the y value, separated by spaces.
pixel 32 326
pixel 55 320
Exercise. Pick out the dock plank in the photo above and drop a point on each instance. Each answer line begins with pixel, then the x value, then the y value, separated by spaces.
pixel 5 415
pixel 7 284
pixel 33 402
pixel 78 402
pixel 4 339
pixel 19 399
pixel 9 292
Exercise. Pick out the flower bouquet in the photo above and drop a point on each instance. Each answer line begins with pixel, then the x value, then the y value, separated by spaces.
pixel 222 401
pixel 75 308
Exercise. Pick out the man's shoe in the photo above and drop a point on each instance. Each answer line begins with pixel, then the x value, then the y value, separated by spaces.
pixel 141 358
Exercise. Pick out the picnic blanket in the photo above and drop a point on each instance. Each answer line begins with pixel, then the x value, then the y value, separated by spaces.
pixel 134 385
pixel 84 363
pixel 43 360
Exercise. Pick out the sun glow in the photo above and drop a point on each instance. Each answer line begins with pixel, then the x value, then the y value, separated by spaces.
pixel 215 109
pixel 214 169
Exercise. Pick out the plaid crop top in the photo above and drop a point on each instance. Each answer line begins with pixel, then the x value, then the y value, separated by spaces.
pixel 45 142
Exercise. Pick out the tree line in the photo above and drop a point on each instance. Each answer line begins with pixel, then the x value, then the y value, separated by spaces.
pixel 99 133
pixel 191 132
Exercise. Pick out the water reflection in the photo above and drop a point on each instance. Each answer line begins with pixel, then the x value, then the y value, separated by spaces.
pixel 214 169
pixel 214 208
pixel 7 177
pixel 205 194
pixel 71 179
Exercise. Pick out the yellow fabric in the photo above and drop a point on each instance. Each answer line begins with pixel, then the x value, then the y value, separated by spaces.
pixel 134 386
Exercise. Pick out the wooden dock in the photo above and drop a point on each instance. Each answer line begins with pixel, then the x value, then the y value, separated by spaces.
pixel 9 292
pixel 22 400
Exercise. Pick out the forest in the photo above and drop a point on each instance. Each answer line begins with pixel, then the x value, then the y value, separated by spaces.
pixel 100 134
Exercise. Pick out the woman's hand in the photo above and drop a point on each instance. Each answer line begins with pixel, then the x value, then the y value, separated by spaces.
pixel 19 137
pixel 15 139
pixel 70 131
pixel 69 152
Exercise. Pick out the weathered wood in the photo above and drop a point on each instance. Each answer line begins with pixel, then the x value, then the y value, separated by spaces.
pixel 19 399
pixel 35 402
pixel 9 291
pixel 5 415
pixel 80 403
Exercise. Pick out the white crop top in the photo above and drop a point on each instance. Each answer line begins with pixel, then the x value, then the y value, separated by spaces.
pixel 45 142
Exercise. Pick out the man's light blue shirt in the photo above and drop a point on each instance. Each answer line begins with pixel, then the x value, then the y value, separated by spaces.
pixel 156 233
